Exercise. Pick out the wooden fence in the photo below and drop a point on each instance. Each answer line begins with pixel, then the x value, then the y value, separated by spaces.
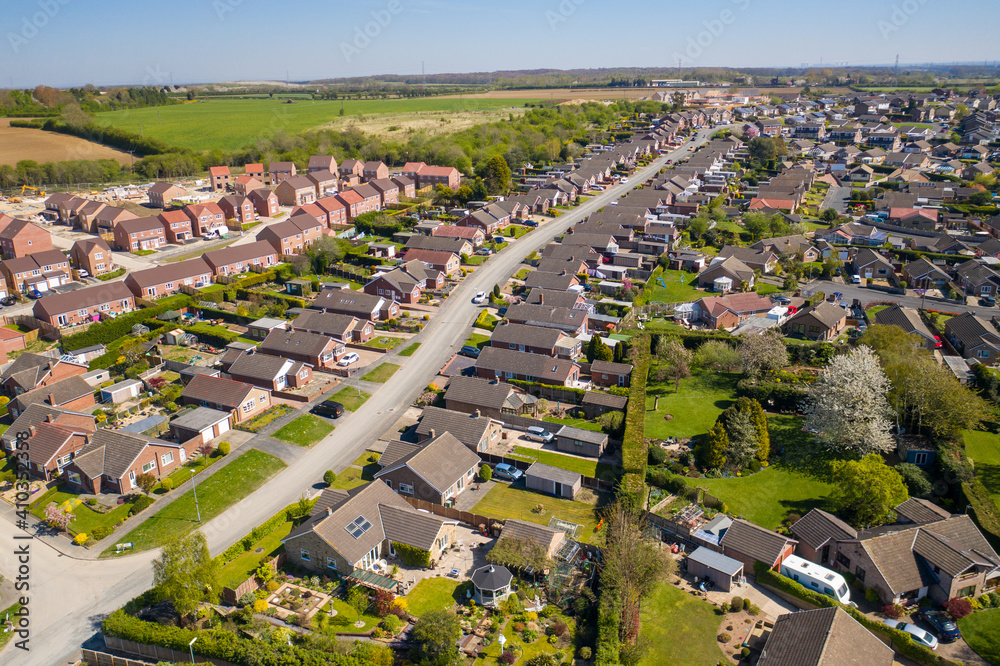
pixel 602 485
pixel 94 658
pixel 231 596
pixel 37 326
pixel 474 520
pixel 157 653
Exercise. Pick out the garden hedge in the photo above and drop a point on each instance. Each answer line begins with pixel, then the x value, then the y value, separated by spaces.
pixel 412 556
pixel 256 534
pixel 784 396
pixel 108 331
pixel 986 515
pixel 634 450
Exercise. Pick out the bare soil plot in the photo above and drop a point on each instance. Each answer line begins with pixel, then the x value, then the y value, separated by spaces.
pixel 19 143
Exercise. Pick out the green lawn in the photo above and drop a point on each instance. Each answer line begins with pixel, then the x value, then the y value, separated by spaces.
pixel 230 123
pixel 386 342
pixel 189 469
pixel 676 287
pixel 345 609
pixel 694 408
pixel 409 350
pixel 982 632
pixel 85 519
pixel 381 374
pixel 875 309
pixel 433 594
pixel 359 472
pixel 6 636
pixel 216 494
pixel 348 397
pixel 504 501
pixel 237 571
pixel 679 628
pixel 984 449
pixel 306 430
pixel 585 466
pixel 474 260
pixel 478 340
pixel 765 288
pixel 582 424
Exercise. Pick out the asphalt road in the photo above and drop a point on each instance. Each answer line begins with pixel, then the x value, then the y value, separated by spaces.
pixel 69 597
pixel 837 198
pixel 910 300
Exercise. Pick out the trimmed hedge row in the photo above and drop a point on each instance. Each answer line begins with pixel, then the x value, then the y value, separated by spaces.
pixel 220 644
pixel 108 359
pixel 634 449
pixel 411 555
pixel 108 331
pixel 694 339
pixel 986 514
pixel 226 315
pixel 257 533
pixel 776 396
pixel 901 641
pixel 609 614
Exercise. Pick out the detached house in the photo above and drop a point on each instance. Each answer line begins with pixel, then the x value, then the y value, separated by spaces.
pixel 296 191
pixel 477 432
pixel 265 202
pixel 30 371
pixel 220 177
pixel 436 472
pixel 176 226
pixel 271 372
pixel 340 327
pixel 238 207
pixel 869 264
pixel 141 233
pixel 245 184
pixel 973 337
pixel 500 364
pixel 111 461
pixel 20 237
pixel 279 172
pixel 319 351
pixel 922 274
pixel 818 533
pixel 206 218
pixel 764 261
pixel 322 163
pixel 374 169
pixel 161 194
pixel 822 322
pixel 493 399
pixel 40 271
pixel 349 531
pixel 294 235
pixel 823 637
pixel 727 275
pixel 407 283
pixel 92 255
pixel 536 340
pixel 569 320
pixel 444 262
pixel 324 182
pixel 72 393
pixel 357 304
pixel 977 278
pixel 242 400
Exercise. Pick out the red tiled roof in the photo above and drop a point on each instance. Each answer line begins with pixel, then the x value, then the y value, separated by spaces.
pixel 219 170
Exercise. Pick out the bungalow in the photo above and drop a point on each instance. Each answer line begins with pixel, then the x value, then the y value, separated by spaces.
pixel 357 304
pixel 436 472
pixel 728 311
pixel 499 364
pixel 30 371
pixel 270 372
pixel 823 637
pixel 176 227
pixel 977 278
pixel 909 320
pixel 342 328
pixel 51 445
pixel 236 259
pixel 536 340
pixel 220 177
pixel 238 207
pixel 869 264
pixel 206 218
pixel 349 531
pixel 111 461
pixel 820 322
pixel 855 234
pixel 924 219
pixel 319 351
pixel 473 235
pixel 922 274
pixel 84 305
pixel 605 373
pixel 475 431
pixel 818 533
pixel 242 400
pixel 37 414
pixel 168 278
pixel 790 246
pixel 758 260
pixel 493 399
pixel 748 543
pixel 265 202
pixel 72 393
pixel 141 233
pixel 727 275
pixel 161 194
pixel 457 246
pixel 445 262
pixel 550 281
pixel 201 423
pixel 278 172
pixel 296 191
pixel 407 283
pixel 570 320
pixel 973 337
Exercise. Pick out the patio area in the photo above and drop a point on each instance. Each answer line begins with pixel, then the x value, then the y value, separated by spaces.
pixel 458 561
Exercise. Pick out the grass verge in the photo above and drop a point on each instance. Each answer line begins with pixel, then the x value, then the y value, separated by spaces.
pixel 306 430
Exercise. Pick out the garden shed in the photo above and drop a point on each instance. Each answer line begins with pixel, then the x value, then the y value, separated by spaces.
pixel 553 480
pixel 491 584
pixel 204 421
pixel 581 442
pixel 122 391
pixel 718 568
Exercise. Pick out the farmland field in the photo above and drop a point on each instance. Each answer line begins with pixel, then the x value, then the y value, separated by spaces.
pixel 234 123
pixel 21 143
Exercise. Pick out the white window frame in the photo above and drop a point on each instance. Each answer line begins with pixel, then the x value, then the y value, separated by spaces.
pixel 331 563
pixel 248 405
pixel 304 555
pixel 167 458
pixel 406 488
pixel 149 467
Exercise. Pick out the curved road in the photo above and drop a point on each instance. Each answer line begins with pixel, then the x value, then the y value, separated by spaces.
pixel 69 597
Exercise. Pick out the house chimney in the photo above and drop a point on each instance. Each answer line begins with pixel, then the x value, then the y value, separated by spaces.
pixel 86 438
pixel 49 418
pixel 541 299
pixel 563 272
pixel 31 431
pixel 52 399
pixel 431 433
pixel 329 510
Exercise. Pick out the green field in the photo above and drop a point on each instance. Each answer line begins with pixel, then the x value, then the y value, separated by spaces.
pixel 694 408
pixel 677 287
pixel 306 430
pixel 982 632
pixel 984 449
pixel 229 124
pixel 678 628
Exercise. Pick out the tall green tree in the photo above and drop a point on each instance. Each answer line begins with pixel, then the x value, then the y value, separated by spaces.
pixel 742 440
pixel 185 573
pixel 867 490
pixel 437 636
pixel 714 446
pixel 496 175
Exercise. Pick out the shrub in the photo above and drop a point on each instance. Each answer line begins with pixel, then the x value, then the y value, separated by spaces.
pixel 529 635
pixel 329 477
pixel 755 466
pixel 272 585
pixel 558 628
pixel 871 596
pixel 584 653
pixel 142 503
pixel 724 607
pixel 745 652
pixel 657 455
pixel 724 637
pixel 224 448
pixel 485 472
pixel 508 657
pixel 753 609
pixel 246 599
pixel 80 539
pixel 383 602
pixel 259 606
pixel 391 624
pixel 99 533
pixel 553 639
pixel 167 484
pixel 893 611
pixel 957 608
pixel 736 605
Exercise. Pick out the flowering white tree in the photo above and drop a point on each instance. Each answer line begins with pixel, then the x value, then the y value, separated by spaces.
pixel 847 405
pixel 762 353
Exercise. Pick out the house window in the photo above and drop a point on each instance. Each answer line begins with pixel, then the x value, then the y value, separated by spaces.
pixel 82 313
pixel 167 458
pixel 304 554
pixel 967 591
pixel 331 563
pixel 844 561
pixel 920 458
pixel 61 320
pixel 406 488
pixel 248 405
pixel 859 573
pixel 983 353
pixel 443 542
pixel 148 467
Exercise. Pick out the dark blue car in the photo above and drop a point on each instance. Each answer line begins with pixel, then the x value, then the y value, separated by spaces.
pixel 942 625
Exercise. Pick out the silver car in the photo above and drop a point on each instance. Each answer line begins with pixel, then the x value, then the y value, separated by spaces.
pixel 539 434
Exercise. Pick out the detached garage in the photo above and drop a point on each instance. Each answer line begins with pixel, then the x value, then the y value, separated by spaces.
pixel 204 421
pixel 122 391
pixel 581 442
pixel 718 568
pixel 552 480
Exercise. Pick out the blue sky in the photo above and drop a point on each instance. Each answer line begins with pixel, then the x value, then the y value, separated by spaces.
pixel 73 42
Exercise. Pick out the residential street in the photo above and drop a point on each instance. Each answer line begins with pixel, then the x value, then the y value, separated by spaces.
pixel 69 596
pixel 910 300
pixel 837 198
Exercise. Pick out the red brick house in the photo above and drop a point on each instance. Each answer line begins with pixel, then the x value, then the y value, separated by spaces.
pixel 242 400
pixel 748 543
pixel 270 371
pixel 388 191
pixel 314 211
pixel 111 461
pixel 372 170
pixel 335 209
pixel 34 416
pixel 605 373
pixel 281 171
pixel 51 447
pixel 176 226
pixel 430 176
pixel 245 184
pixel 265 202
pixel 206 218
pixel 110 217
pixel 354 203
pixel 446 262
pixel 371 196
pixel 474 235
pixel 142 233
pixel 220 177
pixel 324 182
pixel 407 186
pixel 167 279
pixel 503 364
pixel 322 163
pixel 86 217
pixel 238 207
pixel 296 191
pixel 255 170
pixel 319 351
pixel 20 237
pixel 72 393
pixel 161 194
pixel 93 255
pixel 83 305
pixel 236 259
pixel 407 283
pixel 351 168
pixel 294 235
pixel 437 471
pixel 340 327
pixel 40 271
pixel 30 371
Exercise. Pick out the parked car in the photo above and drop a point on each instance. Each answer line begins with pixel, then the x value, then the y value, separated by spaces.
pixel 855 279
pixel 539 434
pixel 836 296
pixel 530 223
pixel 330 408
pixel 920 637
pixel 484 251
pixel 8 300
pixel 499 239
pixel 782 300
pixel 942 625
pixel 470 350
pixel 507 471
pixel 988 301
pixel 352 357
pixel 34 293
pixel 83 273
pixel 479 298
pixel 624 181
pixel 937 341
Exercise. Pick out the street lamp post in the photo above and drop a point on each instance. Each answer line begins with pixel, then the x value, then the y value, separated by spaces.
pixel 191 648
pixel 194 488
pixel 357 374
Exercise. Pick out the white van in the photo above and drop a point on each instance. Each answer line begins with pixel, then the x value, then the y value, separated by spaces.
pixel 814 577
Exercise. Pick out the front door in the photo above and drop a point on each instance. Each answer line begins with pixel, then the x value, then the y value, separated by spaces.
pixel 826 554
pixel 558 488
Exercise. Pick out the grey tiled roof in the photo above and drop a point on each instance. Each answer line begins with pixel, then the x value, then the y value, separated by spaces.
pixel 440 462
pixel 228 392
pixel 523 334
pixel 551 473
pixel 396 450
pixel 258 366
pixel 280 342
pixel 110 452
pixel 581 435
pixel 754 541
pixel 611 368
pixel 553 281
pixel 905 318
pixel 823 637
pixel 200 418
pixel 64 390
pixel 328 323
pixel 921 511
pixel 522 363
pixel 818 527
pixel 605 400
pixel 479 392
pixel 546 315
pixel 467 428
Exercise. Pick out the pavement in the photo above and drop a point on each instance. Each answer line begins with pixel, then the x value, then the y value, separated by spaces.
pixel 68 597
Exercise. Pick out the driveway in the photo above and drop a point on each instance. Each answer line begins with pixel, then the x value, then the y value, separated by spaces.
pixel 837 198
pixel 72 596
